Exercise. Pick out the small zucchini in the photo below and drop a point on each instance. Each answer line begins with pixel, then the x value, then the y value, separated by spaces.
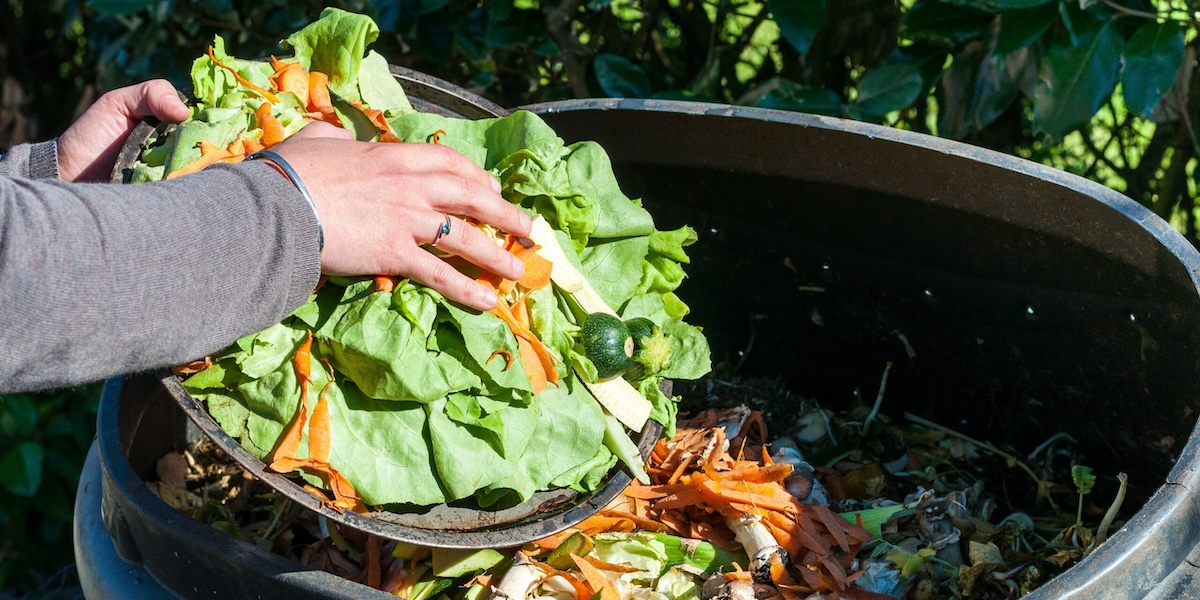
pixel 640 327
pixel 652 347
pixel 607 343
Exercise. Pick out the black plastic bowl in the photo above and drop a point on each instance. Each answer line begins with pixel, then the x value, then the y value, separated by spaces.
pixel 447 525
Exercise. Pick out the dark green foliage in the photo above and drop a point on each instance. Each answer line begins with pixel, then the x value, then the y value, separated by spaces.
pixel 43 441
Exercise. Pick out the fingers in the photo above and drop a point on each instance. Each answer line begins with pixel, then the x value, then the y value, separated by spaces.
pixel 381 204
pixel 156 98
pixel 433 272
pixel 464 240
pixel 456 195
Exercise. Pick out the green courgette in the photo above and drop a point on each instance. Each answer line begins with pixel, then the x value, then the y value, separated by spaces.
pixel 652 348
pixel 640 327
pixel 608 344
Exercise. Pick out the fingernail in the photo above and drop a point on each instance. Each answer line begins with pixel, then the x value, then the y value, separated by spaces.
pixel 487 299
pixel 518 267
pixel 496 187
pixel 526 222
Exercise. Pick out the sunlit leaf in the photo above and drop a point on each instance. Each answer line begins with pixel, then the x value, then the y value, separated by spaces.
pixel 1152 56
pixel 798 20
pixel 888 88
pixel 21 469
pixel 1084 478
pixel 1074 81
pixel 910 563
pixel 620 78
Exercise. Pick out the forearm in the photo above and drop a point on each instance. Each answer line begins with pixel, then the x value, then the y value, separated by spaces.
pixel 98 279
pixel 32 161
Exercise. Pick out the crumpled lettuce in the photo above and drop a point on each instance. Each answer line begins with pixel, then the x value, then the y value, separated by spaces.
pixel 425 407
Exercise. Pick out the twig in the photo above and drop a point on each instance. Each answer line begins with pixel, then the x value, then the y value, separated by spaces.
pixel 559 23
pixel 1187 122
pixel 878 398
pixel 1062 435
pixel 1013 460
pixel 1125 10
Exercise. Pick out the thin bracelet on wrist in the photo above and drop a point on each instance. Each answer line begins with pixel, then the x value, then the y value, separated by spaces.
pixel 290 173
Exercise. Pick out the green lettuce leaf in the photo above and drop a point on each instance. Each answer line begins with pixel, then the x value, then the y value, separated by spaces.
pixel 335 45
pixel 429 401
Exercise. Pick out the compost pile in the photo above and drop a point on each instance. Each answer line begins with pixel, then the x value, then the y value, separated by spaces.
pixel 903 511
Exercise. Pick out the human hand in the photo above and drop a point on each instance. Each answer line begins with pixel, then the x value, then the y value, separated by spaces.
pixel 89 147
pixel 380 202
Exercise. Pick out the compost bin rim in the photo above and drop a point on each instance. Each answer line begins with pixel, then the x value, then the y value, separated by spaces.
pixel 124 492
pixel 1151 539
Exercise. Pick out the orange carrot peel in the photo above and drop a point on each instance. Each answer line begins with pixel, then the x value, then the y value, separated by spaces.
pixel 210 154
pixel 272 130
pixel 290 77
pixel 242 80
pixel 319 100
pixel 284 459
pixel 699 491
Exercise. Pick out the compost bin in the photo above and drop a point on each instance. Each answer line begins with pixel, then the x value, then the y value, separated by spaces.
pixel 1014 301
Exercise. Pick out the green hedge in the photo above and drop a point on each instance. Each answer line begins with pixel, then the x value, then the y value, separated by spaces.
pixel 43 441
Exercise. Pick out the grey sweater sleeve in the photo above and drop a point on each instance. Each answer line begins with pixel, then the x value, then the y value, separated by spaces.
pixel 102 279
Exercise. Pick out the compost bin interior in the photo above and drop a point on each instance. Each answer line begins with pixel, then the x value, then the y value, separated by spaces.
pixel 1013 303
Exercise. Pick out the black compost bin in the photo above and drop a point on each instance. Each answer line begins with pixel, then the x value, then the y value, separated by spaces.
pixel 1014 301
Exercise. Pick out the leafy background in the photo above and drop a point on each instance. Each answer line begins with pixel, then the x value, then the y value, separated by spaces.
pixel 1099 88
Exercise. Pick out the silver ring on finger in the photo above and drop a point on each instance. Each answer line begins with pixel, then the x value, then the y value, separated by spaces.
pixel 443 231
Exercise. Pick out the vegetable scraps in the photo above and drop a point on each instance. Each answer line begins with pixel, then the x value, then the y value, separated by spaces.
pixel 422 401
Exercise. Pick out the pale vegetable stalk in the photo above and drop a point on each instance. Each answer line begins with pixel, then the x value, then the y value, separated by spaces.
pixel 519 581
pixel 616 395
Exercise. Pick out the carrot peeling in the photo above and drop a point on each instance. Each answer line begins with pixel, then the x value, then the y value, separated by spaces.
pixel 290 77
pixel 210 154
pixel 319 100
pixel 242 80
pixel 272 130
pixel 284 459
pixel 508 358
